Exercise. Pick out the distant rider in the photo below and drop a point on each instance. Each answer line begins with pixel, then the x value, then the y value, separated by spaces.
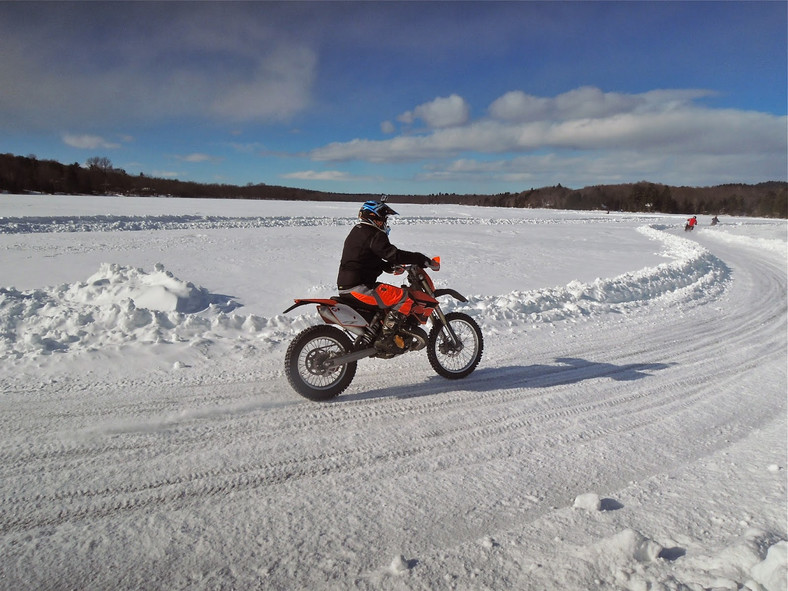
pixel 366 254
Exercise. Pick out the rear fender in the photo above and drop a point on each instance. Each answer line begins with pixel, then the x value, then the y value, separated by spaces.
pixel 319 302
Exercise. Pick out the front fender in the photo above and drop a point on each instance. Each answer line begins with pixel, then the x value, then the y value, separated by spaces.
pixel 455 294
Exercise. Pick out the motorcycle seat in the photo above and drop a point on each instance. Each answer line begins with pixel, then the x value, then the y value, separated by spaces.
pixel 354 303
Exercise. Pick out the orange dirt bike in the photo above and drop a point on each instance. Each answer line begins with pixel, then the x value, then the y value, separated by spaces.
pixel 321 361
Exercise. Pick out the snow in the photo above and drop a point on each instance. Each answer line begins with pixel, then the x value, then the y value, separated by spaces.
pixel 626 428
pixel 588 502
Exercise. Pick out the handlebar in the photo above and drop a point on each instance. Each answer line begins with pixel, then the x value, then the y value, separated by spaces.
pixel 434 265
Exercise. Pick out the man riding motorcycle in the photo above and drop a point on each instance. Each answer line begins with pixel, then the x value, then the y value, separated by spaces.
pixel 366 254
pixel 372 319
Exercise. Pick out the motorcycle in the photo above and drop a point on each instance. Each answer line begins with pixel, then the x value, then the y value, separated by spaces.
pixel 321 361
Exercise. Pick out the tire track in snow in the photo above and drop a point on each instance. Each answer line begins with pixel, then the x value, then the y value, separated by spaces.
pixel 524 420
pixel 556 423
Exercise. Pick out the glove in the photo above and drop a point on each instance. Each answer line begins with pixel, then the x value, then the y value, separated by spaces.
pixel 433 264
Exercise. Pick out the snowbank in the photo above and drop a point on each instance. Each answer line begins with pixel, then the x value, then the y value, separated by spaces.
pixel 115 306
pixel 120 305
pixel 693 276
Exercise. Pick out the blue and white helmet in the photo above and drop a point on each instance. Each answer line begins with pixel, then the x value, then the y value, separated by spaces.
pixel 376 212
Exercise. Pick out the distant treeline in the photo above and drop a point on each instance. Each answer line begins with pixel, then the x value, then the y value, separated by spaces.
pixel 25 174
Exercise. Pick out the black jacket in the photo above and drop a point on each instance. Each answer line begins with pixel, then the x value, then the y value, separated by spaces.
pixel 368 253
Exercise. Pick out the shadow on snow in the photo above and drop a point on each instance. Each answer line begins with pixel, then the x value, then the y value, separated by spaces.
pixel 567 370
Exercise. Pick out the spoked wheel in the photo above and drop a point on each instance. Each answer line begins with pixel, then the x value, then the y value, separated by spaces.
pixel 305 363
pixel 455 360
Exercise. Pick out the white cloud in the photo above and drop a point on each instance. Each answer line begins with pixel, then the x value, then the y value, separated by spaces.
pixel 277 89
pixel 442 112
pixel 518 106
pixel 248 148
pixel 658 121
pixel 88 142
pixel 387 127
pixel 608 167
pixel 587 102
pixel 323 175
pixel 201 61
pixel 589 137
pixel 407 118
pixel 198 157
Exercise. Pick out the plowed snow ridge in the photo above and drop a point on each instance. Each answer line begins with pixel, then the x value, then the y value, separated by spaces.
pixel 120 305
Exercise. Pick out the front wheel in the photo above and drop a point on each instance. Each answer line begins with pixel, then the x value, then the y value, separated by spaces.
pixel 455 360
pixel 305 363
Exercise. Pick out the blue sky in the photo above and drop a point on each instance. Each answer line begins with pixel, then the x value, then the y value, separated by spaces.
pixel 411 97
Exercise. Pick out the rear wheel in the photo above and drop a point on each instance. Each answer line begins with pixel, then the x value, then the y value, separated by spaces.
pixel 305 363
pixel 455 360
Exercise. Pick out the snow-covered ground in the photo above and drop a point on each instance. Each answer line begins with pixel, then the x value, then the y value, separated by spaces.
pixel 626 428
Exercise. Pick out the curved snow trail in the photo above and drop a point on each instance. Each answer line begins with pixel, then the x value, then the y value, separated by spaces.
pixel 122 305
pixel 130 492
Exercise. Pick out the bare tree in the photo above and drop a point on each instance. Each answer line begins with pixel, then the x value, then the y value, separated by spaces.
pixel 101 162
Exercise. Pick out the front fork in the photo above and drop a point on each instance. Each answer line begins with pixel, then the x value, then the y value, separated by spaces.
pixel 456 344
